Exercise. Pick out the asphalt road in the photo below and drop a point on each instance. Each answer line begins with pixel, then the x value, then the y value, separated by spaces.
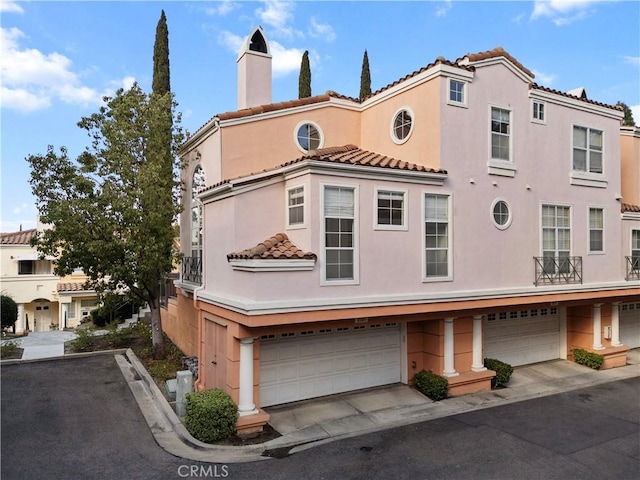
pixel 77 419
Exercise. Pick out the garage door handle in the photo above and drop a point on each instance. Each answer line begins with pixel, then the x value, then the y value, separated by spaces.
pixel 214 362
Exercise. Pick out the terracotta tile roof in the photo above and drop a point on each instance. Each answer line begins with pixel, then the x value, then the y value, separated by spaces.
pixel 72 287
pixel 346 155
pixel 22 237
pixel 495 53
pixel 627 207
pixel 277 247
pixel 535 86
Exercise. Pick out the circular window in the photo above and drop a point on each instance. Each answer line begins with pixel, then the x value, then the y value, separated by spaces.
pixel 308 137
pixel 402 125
pixel 501 214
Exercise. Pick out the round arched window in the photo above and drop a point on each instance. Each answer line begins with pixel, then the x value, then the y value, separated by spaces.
pixel 308 137
pixel 501 214
pixel 402 125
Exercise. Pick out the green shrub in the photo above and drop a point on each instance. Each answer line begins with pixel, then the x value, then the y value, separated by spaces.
pixel 117 337
pixel 8 348
pixel 503 370
pixel 588 359
pixel 432 385
pixel 84 339
pixel 8 311
pixel 211 415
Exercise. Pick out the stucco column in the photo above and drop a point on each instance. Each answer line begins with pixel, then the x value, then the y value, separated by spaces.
pixel 449 369
pixel 597 327
pixel 65 315
pixel 20 320
pixel 478 363
pixel 615 324
pixel 245 404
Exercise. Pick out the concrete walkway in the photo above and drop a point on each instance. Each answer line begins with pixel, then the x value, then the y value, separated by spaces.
pixel 42 345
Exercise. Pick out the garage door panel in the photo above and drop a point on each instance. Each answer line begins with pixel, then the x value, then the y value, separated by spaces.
pixel 630 324
pixel 522 339
pixel 327 364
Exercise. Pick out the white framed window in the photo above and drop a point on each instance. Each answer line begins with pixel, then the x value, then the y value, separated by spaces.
pixel 596 230
pixel 197 184
pixel 308 136
pixel 538 111
pixel 71 312
pixel 295 207
pixel 556 238
pixel 437 237
pixel 635 249
pixel 500 134
pixel 402 125
pixel 340 235
pixel 457 94
pixel 390 209
pixel 501 213
pixel 587 150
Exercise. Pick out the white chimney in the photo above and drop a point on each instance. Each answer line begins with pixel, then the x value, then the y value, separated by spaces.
pixel 254 71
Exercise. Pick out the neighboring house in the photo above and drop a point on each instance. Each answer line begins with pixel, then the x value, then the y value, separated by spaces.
pixel 461 212
pixel 45 301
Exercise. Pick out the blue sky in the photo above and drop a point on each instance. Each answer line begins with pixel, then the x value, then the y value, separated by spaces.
pixel 58 59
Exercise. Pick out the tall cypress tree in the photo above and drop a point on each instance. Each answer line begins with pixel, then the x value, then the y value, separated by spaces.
pixel 365 77
pixel 161 81
pixel 304 80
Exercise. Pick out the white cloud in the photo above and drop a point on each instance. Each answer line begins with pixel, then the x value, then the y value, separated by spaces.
pixel 230 41
pixel 285 60
pixel 32 79
pixel 221 8
pixel 632 60
pixel 9 6
pixel 321 30
pixel 544 78
pixel 563 12
pixel 443 9
pixel 277 14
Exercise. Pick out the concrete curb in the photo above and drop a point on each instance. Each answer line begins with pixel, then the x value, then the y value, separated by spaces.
pixel 66 356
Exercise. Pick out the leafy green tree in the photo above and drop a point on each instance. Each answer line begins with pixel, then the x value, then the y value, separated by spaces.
pixel 8 311
pixel 365 77
pixel 628 115
pixel 109 211
pixel 304 80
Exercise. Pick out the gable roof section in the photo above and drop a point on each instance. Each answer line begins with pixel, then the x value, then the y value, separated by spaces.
pixel 22 237
pixel 277 247
pixel 343 155
pixel 496 53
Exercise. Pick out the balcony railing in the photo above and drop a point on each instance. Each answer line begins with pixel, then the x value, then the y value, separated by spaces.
pixel 558 270
pixel 192 270
pixel 633 268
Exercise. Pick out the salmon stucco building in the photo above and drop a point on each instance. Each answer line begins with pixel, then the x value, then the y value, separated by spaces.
pixel 462 212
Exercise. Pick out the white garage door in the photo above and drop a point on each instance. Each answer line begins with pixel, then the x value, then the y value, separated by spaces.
pixel 522 337
pixel 302 365
pixel 630 324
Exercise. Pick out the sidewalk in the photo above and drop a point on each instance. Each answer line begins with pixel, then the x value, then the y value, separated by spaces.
pixel 41 345
pixel 307 424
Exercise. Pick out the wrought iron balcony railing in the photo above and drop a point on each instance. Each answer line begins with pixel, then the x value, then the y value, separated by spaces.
pixel 192 270
pixel 557 270
pixel 633 268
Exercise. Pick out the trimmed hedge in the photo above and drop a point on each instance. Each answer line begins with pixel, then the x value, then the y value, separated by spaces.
pixel 432 385
pixel 503 370
pixel 588 359
pixel 211 415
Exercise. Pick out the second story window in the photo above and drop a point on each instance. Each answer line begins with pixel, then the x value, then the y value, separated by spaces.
pixel 437 234
pixel 538 111
pixel 556 237
pixel 339 233
pixel 500 134
pixel 596 230
pixel 457 92
pixel 295 206
pixel 308 137
pixel 390 209
pixel 587 150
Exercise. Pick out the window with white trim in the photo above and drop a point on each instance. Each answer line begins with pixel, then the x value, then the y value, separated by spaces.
pixel 500 134
pixel 390 209
pixel 538 111
pixel 556 237
pixel 402 125
pixel 339 233
pixel 436 235
pixel 457 92
pixel 635 249
pixel 197 184
pixel 596 230
pixel 587 150
pixel 295 206
pixel 501 214
pixel 308 137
